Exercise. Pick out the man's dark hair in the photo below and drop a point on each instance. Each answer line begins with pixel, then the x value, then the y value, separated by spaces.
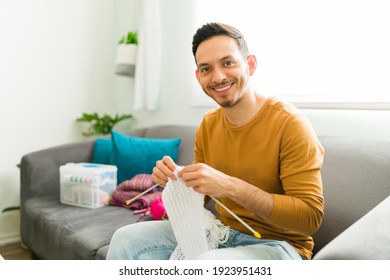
pixel 210 30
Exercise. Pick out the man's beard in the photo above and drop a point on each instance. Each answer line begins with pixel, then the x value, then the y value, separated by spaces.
pixel 225 102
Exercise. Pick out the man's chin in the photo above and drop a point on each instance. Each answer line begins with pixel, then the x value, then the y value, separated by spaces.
pixel 225 103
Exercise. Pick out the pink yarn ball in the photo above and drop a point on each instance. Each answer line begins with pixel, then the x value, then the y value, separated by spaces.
pixel 157 209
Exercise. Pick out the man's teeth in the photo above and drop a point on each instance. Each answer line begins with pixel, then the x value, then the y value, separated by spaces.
pixel 223 88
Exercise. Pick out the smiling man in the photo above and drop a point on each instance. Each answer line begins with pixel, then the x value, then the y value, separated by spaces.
pixel 257 154
pixel 222 71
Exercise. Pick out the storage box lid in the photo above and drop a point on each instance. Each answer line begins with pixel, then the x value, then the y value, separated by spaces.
pixel 86 167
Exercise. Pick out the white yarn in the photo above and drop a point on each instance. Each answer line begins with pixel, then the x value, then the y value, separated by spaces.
pixel 195 228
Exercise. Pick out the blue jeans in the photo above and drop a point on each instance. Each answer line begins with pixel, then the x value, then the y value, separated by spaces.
pixel 154 240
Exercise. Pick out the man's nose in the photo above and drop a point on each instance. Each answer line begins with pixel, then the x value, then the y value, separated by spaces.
pixel 218 75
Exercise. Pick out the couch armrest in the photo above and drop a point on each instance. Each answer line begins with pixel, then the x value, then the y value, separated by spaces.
pixel 366 239
pixel 39 171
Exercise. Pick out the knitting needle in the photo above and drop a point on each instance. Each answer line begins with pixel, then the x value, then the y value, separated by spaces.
pixel 141 194
pixel 255 233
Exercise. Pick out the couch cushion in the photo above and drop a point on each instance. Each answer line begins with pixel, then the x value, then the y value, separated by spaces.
pixel 102 253
pixel 367 239
pixel 185 133
pixel 63 232
pixel 102 151
pixel 137 155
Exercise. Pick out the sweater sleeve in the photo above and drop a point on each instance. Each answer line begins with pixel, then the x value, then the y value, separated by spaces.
pixel 300 207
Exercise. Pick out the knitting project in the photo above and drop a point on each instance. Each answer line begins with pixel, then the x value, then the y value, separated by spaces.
pixel 195 228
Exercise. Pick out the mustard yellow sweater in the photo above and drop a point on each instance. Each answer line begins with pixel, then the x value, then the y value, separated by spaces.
pixel 278 152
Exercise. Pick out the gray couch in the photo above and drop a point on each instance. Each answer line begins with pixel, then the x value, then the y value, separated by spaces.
pixel 356 177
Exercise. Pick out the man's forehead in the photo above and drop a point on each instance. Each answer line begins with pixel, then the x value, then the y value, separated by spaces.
pixel 215 49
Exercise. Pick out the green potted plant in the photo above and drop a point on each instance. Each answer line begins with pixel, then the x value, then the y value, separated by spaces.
pixel 126 55
pixel 130 38
pixel 101 124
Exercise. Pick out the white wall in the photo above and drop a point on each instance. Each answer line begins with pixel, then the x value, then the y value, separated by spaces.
pixel 371 124
pixel 179 84
pixel 56 61
pixel 177 73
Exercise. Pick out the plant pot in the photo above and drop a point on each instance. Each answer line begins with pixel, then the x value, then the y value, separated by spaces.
pixel 126 57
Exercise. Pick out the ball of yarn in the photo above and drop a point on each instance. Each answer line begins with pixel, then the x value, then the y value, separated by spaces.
pixel 157 209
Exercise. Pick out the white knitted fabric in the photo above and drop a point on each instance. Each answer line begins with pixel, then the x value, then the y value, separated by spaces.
pixel 195 228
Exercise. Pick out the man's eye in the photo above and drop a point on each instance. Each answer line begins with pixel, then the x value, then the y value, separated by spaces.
pixel 204 69
pixel 229 62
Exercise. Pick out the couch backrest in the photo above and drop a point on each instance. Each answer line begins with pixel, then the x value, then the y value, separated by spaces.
pixel 39 170
pixel 185 133
pixel 356 177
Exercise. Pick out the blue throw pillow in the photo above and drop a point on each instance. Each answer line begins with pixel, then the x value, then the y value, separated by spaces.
pixel 137 155
pixel 102 151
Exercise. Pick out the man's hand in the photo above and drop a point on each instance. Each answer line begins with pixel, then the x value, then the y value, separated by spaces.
pixel 209 181
pixel 163 170
pixel 206 180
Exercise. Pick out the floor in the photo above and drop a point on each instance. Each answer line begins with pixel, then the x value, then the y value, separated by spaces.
pixel 15 252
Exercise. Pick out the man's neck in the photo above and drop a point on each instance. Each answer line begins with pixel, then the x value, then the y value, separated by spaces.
pixel 246 109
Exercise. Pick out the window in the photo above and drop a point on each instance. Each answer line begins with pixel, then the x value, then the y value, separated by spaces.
pixel 315 54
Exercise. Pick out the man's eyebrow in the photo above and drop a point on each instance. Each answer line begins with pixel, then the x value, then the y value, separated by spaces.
pixel 203 64
pixel 222 59
pixel 226 57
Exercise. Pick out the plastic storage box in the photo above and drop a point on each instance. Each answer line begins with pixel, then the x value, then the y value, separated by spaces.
pixel 87 184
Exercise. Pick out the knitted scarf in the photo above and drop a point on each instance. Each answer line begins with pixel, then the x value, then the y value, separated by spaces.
pixel 195 228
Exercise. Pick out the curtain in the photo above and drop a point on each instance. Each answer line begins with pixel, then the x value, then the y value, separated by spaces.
pixel 147 72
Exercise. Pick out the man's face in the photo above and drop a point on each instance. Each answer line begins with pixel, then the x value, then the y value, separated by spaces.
pixel 221 71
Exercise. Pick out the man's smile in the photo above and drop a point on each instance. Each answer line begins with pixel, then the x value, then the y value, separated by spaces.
pixel 223 87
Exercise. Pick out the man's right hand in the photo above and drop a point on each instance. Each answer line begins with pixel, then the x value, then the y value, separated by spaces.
pixel 163 170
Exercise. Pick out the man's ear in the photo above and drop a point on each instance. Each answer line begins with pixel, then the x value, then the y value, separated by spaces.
pixel 197 74
pixel 252 63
